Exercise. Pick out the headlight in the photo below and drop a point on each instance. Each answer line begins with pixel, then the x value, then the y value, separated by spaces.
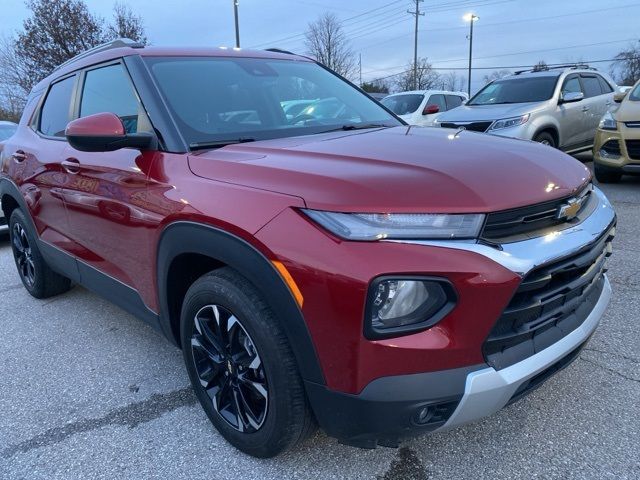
pixel 510 122
pixel 405 305
pixel 608 122
pixel 380 226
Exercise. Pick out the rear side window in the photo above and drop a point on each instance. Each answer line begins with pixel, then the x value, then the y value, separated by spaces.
pixel 591 86
pixel 108 89
pixel 604 85
pixel 453 101
pixel 55 113
pixel 438 99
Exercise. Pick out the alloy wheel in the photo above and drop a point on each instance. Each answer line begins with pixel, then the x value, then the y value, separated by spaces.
pixel 229 368
pixel 23 253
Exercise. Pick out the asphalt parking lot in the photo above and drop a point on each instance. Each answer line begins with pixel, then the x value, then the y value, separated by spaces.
pixel 87 391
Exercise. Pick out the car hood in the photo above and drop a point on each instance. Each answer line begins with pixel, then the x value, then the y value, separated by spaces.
pixel 400 169
pixel 628 112
pixel 473 113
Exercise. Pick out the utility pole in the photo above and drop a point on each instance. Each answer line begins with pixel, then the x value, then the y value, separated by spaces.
pixel 360 68
pixel 417 14
pixel 471 18
pixel 235 14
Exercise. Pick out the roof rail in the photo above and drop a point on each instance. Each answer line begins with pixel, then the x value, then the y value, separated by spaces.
pixel 117 43
pixel 278 50
pixel 546 68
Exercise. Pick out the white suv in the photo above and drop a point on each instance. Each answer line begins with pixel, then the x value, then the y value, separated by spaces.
pixel 422 107
pixel 560 107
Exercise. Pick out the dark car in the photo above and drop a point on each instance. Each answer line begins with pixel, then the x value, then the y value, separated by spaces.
pixel 345 270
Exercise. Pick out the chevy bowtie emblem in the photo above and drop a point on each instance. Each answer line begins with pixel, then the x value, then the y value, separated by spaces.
pixel 570 210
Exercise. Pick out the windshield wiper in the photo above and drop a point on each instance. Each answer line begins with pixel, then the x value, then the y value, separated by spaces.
pixel 355 126
pixel 219 143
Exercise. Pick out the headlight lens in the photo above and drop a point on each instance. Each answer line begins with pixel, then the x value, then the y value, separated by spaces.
pixel 608 122
pixel 510 122
pixel 380 226
pixel 404 305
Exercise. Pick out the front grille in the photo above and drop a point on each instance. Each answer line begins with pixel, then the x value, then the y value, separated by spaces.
pixel 632 124
pixel 633 149
pixel 472 126
pixel 612 147
pixel 534 220
pixel 552 301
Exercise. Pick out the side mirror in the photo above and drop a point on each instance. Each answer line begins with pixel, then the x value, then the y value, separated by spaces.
pixel 571 97
pixel 619 96
pixel 429 109
pixel 104 132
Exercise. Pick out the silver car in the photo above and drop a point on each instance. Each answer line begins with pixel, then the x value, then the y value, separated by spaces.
pixel 7 129
pixel 560 107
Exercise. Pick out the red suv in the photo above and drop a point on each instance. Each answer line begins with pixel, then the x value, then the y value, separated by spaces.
pixel 332 266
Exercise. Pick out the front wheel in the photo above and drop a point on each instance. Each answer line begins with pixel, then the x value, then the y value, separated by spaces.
pixel 241 366
pixel 545 138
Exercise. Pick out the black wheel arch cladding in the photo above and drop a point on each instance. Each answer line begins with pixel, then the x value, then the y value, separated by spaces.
pixel 184 237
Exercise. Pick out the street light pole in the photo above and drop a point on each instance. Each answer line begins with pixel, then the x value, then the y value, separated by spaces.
pixel 417 14
pixel 471 18
pixel 235 13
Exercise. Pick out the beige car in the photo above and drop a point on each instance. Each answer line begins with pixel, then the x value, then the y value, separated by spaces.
pixel 616 149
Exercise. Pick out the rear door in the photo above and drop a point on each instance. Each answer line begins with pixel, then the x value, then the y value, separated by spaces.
pixel 572 115
pixel 595 104
pixel 38 158
pixel 109 219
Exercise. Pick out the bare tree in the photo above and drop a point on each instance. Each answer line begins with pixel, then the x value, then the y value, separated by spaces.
pixel 375 86
pixel 427 77
pixel 326 41
pixel 126 24
pixel 12 94
pixel 540 66
pixel 496 75
pixel 626 67
pixel 452 81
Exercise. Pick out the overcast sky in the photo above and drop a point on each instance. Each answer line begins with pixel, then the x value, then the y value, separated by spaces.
pixel 509 32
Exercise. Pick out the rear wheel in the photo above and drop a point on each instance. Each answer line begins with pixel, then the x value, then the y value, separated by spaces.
pixel 241 366
pixel 39 280
pixel 545 138
pixel 606 175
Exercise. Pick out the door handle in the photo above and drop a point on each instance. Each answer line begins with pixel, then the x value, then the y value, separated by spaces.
pixel 585 109
pixel 19 156
pixel 71 165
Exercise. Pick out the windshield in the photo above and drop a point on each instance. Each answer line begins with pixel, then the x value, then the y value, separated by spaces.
pixel 516 90
pixel 634 96
pixel 223 98
pixel 403 104
pixel 6 131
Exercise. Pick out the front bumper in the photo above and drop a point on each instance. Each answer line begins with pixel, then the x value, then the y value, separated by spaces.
pixel 619 161
pixel 387 409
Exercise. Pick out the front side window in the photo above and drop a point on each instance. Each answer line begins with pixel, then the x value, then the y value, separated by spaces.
pixel 55 113
pixel 572 85
pixel 591 86
pixel 634 96
pixel 516 90
pixel 219 99
pixel 108 89
pixel 403 104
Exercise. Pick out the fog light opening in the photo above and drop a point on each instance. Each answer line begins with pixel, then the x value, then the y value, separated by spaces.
pixel 424 415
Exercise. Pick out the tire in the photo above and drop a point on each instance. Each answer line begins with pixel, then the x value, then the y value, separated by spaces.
pixel 39 280
pixel 606 175
pixel 546 139
pixel 275 414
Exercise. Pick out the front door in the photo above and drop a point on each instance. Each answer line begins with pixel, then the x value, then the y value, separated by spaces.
pixel 110 227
